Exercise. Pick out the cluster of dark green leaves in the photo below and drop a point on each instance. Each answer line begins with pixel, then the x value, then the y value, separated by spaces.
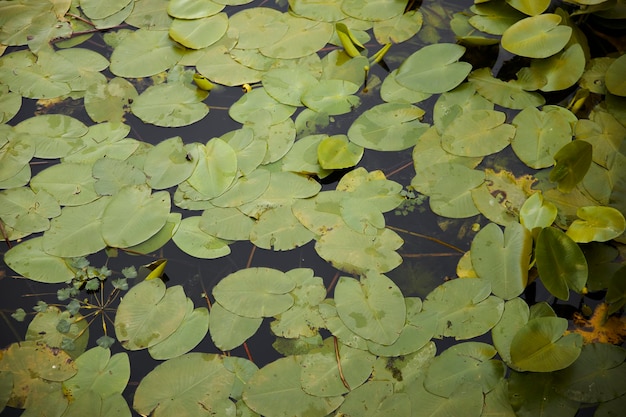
pixel 257 184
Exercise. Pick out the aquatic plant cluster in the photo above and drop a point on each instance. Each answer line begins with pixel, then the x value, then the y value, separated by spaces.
pixel 554 102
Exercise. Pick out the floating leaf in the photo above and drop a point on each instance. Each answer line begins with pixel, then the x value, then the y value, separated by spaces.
pixel 54 135
pixel 259 101
pixel 530 7
pixel 540 346
pixel 374 10
pixel 193 9
pixel 99 372
pixel 171 105
pixel 388 127
pixel 226 223
pixel 287 85
pixel 533 394
pixel 99 10
pixel 187 336
pixel 148 314
pixel 464 307
pixel 148 214
pixel 572 163
pixel 510 94
pixel 168 163
pixel 536 212
pixel 337 152
pixel 278 229
pixel 14 155
pixel 434 68
pixel 398 29
pixel 77 231
pixel 503 259
pixel 70 184
pixel 303 37
pixel 196 242
pixel 597 224
pixel 614 81
pixel 255 292
pixel 371 307
pixel 562 70
pixel 22 209
pixel 595 376
pixel 464 363
pixel 477 133
pixel 199 33
pixel 560 262
pixel 258 27
pixel 143 53
pixel 31 261
pixel 229 330
pixel 45 329
pixel 332 97
pixel 216 168
pixel 539 135
pixel 537 36
pixel 196 382
pixel 515 316
pixel 466 401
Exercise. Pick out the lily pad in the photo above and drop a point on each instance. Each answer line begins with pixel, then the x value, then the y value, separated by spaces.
pixel 144 53
pixel 171 105
pixel 229 330
pixel 194 241
pixel 199 33
pixel 596 223
pixel 99 372
pixel 30 260
pixel 537 36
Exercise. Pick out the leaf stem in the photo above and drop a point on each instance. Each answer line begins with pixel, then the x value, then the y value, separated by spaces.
pixel 343 379
pixel 432 239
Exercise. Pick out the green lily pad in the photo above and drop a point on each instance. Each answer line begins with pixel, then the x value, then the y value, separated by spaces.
pixel 144 53
pixel 572 163
pixel 171 105
pixel 193 9
pixel 229 330
pixel 536 212
pixel 371 307
pixel 477 133
pixel 503 259
pixel 194 241
pixel 374 10
pixel 560 262
pixel 22 209
pixel 44 328
pixel 258 27
pixel 434 68
pixel 287 85
pixel 561 70
pixel 190 378
pixel 388 127
pixel 149 313
pixel 278 229
pixel 596 223
pixel 515 316
pixel 199 33
pixel 168 164
pixel 511 94
pixel 99 372
pixel 31 261
pixel 332 97
pixel 14 155
pixel 187 336
pixel 399 28
pixel 337 152
pixel 54 135
pixel 537 36
pixel 303 37
pixel 112 175
pixel 255 292
pixel 614 81
pixel 216 168
pixel 540 345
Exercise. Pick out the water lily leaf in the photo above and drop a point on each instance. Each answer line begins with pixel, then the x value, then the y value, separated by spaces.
pixel 537 36
pixel 614 82
pixel 105 140
pixel 250 152
pixel 332 97
pixel 434 68
pixel 112 175
pixel 509 94
pixel 229 330
pixel 278 229
pixel 561 70
pixel 494 18
pixel 303 156
pixel 353 252
pixel 515 316
pixel 604 133
pixel 144 53
pixel 196 382
pixel 530 7
pixel 302 38
pixel 371 307
pixel 337 152
pixel 22 209
pixel 193 9
pixel 323 10
pixel 392 91
pixel 220 67
pixel 388 127
pixel 226 223
pixel 148 213
pixel 245 189
pixel 54 135
pixel 258 27
pixel 503 258
pixel 171 105
pixel 199 33
pixel 216 168
pixel 560 262
pixel 477 133
pixel 320 372
pixel 399 28
pixel 572 163
pixel 99 10
pixel 99 372
pixel 597 224
pixel 77 231
pixel 595 375
pixel 286 85
pixel 30 260
pixel 258 101
pixel 255 292
pixel 149 313
pixel 187 336
pixel 15 155
pixel 539 135
pixel 374 10
pixel 70 184
pixel 303 319
pixel 22 20
pixel 168 163
pixel 196 242
pixel 464 363
pixel 338 65
pixel 276 390
pixel 464 307
pixel 337 327
pixel 533 394
pixel 44 328
pixel 159 239
pixel 540 346
pixel 452 104
pixel 466 401
pixel 536 212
